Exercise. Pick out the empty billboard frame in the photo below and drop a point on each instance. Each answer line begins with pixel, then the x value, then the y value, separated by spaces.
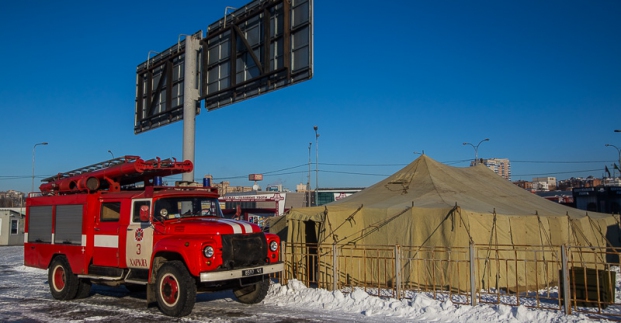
pixel 264 46
pixel 159 88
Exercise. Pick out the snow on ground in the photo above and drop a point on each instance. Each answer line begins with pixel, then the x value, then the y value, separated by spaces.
pixel 25 297
pixel 295 295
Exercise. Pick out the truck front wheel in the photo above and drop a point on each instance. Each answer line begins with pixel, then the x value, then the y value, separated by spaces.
pixel 254 293
pixel 175 289
pixel 63 283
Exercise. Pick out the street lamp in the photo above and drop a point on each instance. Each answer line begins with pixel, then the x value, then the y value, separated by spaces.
pixel 308 187
pixel 617 130
pixel 316 164
pixel 111 154
pixel 476 150
pixel 33 162
pixel 618 151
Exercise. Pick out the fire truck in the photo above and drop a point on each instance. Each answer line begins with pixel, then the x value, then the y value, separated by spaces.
pixel 114 223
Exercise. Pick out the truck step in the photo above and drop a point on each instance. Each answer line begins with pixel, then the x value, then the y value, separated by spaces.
pixel 137 281
pixel 105 271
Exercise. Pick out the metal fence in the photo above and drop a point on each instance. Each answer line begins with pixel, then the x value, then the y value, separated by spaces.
pixel 533 276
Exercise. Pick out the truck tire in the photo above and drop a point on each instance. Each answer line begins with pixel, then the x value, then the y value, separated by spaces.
pixel 63 283
pixel 254 293
pixel 84 288
pixel 175 289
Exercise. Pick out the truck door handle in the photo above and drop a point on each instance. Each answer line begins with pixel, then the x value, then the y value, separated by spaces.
pixel 130 229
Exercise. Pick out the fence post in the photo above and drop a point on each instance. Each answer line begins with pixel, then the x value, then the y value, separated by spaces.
pixel 283 255
pixel 565 281
pixel 398 270
pixel 473 287
pixel 335 271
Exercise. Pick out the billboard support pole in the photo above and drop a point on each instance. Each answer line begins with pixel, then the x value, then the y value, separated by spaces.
pixel 190 97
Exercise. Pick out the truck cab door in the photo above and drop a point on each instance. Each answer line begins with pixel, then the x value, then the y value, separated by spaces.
pixel 139 241
pixel 106 235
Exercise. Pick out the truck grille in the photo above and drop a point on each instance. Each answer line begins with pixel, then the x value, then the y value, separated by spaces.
pixel 243 250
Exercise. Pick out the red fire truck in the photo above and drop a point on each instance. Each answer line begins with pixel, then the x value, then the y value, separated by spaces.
pixel 113 223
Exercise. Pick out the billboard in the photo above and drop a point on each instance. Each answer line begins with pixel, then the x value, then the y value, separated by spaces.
pixel 264 46
pixel 159 88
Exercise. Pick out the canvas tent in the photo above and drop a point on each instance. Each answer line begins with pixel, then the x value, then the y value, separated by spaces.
pixel 431 204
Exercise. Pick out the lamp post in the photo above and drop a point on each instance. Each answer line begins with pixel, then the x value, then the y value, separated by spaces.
pixel 316 164
pixel 111 154
pixel 33 162
pixel 308 188
pixel 618 151
pixel 476 150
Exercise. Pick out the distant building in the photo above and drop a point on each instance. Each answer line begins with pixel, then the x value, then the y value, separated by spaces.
pixel 12 198
pixel 524 184
pixel 301 188
pixel 11 227
pixel 561 197
pixel 328 195
pixel 257 206
pixel 225 187
pixel 604 199
pixel 500 166
pixel 544 183
pixel 577 182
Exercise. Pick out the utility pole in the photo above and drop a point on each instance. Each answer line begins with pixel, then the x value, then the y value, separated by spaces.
pixel 316 164
pixel 308 185
pixel 33 162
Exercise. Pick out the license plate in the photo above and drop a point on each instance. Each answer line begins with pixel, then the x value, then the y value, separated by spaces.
pixel 252 272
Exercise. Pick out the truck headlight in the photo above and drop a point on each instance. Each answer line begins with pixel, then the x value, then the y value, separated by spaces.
pixel 273 246
pixel 208 251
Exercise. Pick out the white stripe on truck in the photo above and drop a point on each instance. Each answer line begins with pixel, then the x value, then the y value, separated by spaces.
pixel 238 225
pixel 106 241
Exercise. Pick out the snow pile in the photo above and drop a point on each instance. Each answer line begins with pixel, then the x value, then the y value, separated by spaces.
pixel 421 307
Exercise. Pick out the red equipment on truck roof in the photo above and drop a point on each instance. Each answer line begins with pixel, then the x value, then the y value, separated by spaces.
pixel 112 174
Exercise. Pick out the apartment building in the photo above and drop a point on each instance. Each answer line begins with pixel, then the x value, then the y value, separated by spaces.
pixel 500 166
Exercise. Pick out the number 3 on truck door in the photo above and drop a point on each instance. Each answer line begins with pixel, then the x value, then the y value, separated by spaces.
pixel 139 235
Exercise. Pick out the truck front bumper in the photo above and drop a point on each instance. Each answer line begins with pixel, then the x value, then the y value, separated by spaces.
pixel 212 276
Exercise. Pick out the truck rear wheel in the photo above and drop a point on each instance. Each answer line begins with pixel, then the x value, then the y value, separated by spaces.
pixel 63 283
pixel 84 288
pixel 254 293
pixel 175 289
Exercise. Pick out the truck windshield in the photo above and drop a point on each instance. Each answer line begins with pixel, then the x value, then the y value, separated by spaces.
pixel 184 207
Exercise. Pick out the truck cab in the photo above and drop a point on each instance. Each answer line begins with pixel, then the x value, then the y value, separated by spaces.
pixel 95 225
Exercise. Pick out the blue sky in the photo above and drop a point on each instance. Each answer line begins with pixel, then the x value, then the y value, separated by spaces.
pixel 541 79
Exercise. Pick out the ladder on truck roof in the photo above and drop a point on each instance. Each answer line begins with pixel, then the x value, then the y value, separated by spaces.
pixel 112 174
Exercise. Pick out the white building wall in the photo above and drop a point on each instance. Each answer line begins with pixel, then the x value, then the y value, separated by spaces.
pixel 7 238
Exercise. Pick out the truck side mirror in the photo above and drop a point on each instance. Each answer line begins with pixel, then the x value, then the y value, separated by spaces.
pixel 144 213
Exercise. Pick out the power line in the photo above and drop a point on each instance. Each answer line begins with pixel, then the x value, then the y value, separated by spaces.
pixel 554 173
pixel 352 173
pixel 363 165
pixel 559 162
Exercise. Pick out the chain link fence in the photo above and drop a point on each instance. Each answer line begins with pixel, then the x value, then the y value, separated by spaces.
pixel 533 276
